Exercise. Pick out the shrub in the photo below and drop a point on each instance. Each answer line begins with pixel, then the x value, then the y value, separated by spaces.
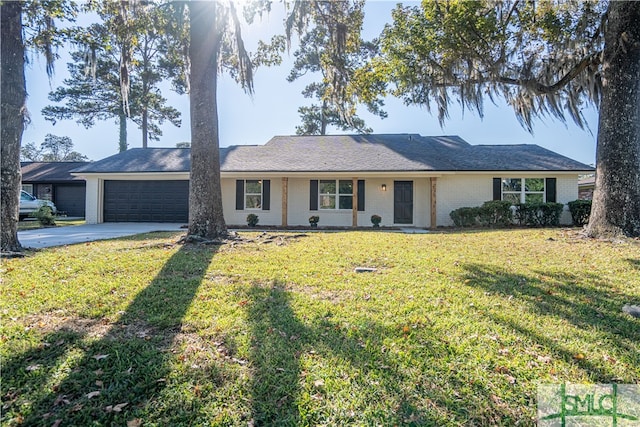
pixel 313 220
pixel 252 220
pixel 580 212
pixel 495 213
pixel 539 214
pixel 44 215
pixel 465 217
pixel 376 220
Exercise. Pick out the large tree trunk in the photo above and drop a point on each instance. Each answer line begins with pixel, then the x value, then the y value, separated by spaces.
pixel 145 127
pixel 616 200
pixel 122 118
pixel 205 195
pixel 13 111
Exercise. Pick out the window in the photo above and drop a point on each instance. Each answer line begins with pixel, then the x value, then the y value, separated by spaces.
pixel 523 190
pixel 335 194
pixel 28 188
pixel 253 194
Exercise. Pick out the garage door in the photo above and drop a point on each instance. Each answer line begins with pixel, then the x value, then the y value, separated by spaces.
pixel 146 201
pixel 70 199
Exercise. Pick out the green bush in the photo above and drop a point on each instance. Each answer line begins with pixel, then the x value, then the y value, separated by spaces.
pixel 44 215
pixel 580 212
pixel 495 213
pixel 539 214
pixel 252 220
pixel 465 217
pixel 313 220
pixel 376 220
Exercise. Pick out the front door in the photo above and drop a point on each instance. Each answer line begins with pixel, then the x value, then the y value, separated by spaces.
pixel 403 202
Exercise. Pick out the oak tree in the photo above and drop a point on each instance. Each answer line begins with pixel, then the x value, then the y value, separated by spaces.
pixel 545 59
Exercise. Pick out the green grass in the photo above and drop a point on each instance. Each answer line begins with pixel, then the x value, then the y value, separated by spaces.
pixel 33 224
pixel 452 329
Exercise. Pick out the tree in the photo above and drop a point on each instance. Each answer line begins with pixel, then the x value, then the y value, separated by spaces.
pixel 544 59
pixel 309 58
pixel 98 96
pixel 13 114
pixel 214 36
pixel 53 149
pixel 41 36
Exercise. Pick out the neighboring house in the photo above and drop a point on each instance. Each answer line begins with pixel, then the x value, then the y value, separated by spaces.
pixel 408 179
pixel 53 181
pixel 586 187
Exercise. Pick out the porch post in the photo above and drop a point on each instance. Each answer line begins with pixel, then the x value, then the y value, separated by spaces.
pixel 285 200
pixel 354 210
pixel 434 203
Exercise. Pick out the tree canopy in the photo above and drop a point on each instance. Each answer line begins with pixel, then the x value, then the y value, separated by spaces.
pixel 316 54
pixel 53 149
pixel 545 59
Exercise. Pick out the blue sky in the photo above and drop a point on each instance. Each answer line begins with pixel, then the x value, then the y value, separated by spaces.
pixel 272 110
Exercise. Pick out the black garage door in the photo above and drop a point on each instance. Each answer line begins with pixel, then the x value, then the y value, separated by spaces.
pixel 146 201
pixel 70 199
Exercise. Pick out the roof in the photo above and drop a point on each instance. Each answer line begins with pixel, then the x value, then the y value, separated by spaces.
pixel 50 172
pixel 349 153
pixel 586 182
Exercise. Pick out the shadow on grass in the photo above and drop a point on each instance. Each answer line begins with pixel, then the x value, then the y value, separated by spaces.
pixel 635 263
pixel 82 371
pixel 586 301
pixel 375 386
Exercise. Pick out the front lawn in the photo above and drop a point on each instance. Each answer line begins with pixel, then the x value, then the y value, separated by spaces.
pixel 451 329
pixel 34 224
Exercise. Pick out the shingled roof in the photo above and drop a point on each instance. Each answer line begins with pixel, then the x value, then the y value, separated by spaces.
pixel 349 153
pixel 50 172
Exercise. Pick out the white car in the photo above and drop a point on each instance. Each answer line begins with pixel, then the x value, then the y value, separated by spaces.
pixel 29 204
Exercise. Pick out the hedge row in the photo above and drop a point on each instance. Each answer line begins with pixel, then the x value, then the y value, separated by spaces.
pixel 501 214
pixel 496 213
pixel 580 211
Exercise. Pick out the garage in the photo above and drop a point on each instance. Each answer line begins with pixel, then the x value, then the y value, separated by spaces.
pixel 70 199
pixel 146 201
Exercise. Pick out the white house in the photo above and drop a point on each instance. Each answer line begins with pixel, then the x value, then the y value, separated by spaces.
pixel 407 179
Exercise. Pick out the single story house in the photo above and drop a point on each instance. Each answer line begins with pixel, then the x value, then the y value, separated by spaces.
pixel 586 186
pixel 53 181
pixel 408 179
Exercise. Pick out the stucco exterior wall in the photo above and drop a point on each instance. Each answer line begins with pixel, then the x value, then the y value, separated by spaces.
pixel 453 191
pixel 93 201
pixel 456 191
pixel 377 202
pixel 239 217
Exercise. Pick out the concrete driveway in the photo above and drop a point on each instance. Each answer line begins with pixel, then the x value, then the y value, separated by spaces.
pixel 60 236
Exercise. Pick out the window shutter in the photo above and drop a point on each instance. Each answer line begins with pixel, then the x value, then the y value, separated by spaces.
pixel 239 194
pixel 313 195
pixel 497 188
pixel 266 194
pixel 361 195
pixel 550 189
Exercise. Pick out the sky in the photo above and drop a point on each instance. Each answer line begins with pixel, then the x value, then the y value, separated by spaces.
pixel 272 109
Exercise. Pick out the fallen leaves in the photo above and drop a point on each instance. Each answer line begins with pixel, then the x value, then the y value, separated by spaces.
pixel 93 394
pixel 136 422
pixel 116 408
pixel 100 356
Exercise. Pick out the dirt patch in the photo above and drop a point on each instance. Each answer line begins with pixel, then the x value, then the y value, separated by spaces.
pixel 49 323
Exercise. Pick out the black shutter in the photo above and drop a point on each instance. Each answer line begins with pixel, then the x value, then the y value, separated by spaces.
pixel 361 195
pixel 239 194
pixel 550 189
pixel 266 195
pixel 313 195
pixel 497 188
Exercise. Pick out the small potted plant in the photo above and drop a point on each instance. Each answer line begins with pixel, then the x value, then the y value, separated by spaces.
pixel 252 220
pixel 376 220
pixel 313 221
